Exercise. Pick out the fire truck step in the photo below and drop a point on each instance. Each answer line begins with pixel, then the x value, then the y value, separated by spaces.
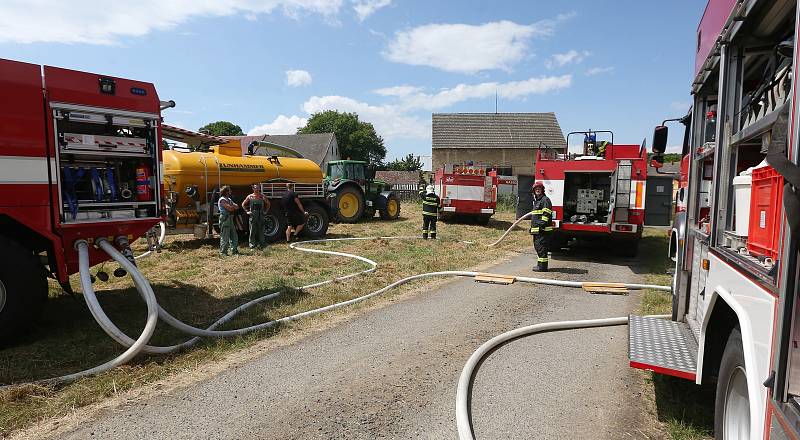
pixel 663 346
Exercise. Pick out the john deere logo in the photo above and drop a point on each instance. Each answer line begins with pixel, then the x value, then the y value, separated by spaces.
pixel 246 167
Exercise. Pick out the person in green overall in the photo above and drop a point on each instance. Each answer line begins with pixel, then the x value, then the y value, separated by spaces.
pixel 256 206
pixel 227 227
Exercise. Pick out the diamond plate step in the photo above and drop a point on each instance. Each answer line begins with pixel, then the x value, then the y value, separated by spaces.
pixel 663 346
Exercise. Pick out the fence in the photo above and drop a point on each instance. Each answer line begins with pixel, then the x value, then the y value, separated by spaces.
pixel 406 192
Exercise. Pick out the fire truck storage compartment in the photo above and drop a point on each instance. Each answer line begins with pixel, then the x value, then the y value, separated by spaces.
pixel 586 197
pixel 764 228
pixel 106 164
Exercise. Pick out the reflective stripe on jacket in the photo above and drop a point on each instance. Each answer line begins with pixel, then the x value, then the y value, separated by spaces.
pixel 541 215
pixel 430 204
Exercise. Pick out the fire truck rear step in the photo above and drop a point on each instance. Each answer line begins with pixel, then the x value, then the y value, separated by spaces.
pixel 663 346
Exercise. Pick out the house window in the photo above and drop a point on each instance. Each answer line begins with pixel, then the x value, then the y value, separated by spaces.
pixel 503 171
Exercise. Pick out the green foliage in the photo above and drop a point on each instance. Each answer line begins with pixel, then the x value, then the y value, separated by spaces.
pixel 670 157
pixel 357 140
pixel 222 128
pixel 507 203
pixel 408 163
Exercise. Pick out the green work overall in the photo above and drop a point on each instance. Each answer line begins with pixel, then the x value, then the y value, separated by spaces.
pixel 256 223
pixel 227 233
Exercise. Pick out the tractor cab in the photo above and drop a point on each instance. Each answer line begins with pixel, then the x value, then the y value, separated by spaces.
pixel 354 193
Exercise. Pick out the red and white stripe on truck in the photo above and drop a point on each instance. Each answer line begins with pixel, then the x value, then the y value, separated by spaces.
pixel 470 190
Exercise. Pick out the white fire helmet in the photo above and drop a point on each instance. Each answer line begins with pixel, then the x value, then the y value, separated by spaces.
pixel 429 189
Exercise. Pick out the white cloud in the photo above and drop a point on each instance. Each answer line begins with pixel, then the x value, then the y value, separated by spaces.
pixel 390 121
pixel 599 71
pixel 468 48
pixel 680 106
pixel 398 91
pixel 298 78
pixel 402 118
pixel 365 8
pixel 103 22
pixel 674 149
pixel 569 57
pixel 509 90
pixel 281 125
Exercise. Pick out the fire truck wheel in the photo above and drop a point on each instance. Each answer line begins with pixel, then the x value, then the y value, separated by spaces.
pixel 349 204
pixel 274 226
pixel 627 248
pixel 392 210
pixel 732 403
pixel 483 219
pixel 23 288
pixel 317 221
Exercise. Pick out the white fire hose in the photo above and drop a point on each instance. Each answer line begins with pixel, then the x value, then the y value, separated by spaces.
pixel 163 227
pixel 155 310
pixel 463 419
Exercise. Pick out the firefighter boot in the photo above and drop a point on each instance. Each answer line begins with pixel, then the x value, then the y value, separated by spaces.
pixel 433 235
pixel 424 234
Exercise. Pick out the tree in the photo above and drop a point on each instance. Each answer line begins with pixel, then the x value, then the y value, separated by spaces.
pixel 222 128
pixel 408 163
pixel 357 140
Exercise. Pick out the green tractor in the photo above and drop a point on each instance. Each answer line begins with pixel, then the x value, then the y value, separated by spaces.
pixel 355 194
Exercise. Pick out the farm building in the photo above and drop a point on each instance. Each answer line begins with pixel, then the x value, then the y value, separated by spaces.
pixel 507 141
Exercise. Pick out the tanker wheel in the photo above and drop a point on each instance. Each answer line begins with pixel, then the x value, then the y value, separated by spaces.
pixel 23 289
pixel 274 226
pixel 392 210
pixel 316 223
pixel 350 204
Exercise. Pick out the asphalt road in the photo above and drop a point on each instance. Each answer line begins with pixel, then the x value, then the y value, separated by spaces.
pixel 392 372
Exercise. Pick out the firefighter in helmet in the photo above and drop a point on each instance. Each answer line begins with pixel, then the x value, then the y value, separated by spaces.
pixel 430 211
pixel 541 225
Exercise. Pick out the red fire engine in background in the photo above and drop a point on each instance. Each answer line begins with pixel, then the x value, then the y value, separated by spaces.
pixel 79 159
pixel 467 192
pixel 599 193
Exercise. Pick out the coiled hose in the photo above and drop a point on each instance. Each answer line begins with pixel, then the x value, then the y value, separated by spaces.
pixel 146 291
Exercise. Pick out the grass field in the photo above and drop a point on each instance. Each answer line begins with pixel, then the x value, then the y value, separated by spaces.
pixel 685 409
pixel 197 286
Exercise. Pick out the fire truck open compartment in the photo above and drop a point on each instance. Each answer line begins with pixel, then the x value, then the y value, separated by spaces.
pixel 587 197
pixel 106 164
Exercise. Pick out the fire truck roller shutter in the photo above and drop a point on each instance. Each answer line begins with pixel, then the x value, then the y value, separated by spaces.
pixel 23 288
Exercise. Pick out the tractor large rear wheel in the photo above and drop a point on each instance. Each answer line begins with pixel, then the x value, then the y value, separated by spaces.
pixel 23 289
pixel 349 204
pixel 392 210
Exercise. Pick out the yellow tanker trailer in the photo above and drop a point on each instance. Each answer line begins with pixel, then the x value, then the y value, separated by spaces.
pixel 192 179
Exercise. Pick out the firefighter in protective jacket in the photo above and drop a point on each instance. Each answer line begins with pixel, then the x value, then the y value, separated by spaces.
pixel 430 211
pixel 541 225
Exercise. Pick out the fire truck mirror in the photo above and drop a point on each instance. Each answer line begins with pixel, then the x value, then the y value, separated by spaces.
pixel 660 139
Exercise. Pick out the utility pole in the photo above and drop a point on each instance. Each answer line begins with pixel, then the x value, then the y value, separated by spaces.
pixel 495 101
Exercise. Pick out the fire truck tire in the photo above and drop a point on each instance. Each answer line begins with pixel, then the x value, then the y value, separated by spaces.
pixel 317 221
pixel 392 210
pixel 23 288
pixel 349 204
pixel 732 402
pixel 274 226
pixel 483 219
pixel 627 248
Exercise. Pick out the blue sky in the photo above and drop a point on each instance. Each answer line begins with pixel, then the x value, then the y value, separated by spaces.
pixel 266 65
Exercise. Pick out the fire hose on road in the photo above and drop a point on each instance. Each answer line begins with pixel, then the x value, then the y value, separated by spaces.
pixel 155 311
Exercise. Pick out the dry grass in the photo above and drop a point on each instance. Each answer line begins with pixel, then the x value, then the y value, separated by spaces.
pixel 196 285
pixel 684 409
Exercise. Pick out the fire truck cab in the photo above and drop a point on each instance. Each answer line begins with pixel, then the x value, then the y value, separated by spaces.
pixel 735 318
pixel 79 159
pixel 598 193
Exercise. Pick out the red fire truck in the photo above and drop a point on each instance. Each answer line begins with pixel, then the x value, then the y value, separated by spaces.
pixel 599 193
pixel 79 159
pixel 467 192
pixel 736 316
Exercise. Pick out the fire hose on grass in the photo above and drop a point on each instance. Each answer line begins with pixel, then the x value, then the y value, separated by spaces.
pixel 145 290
